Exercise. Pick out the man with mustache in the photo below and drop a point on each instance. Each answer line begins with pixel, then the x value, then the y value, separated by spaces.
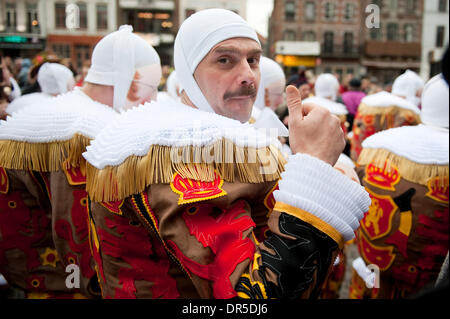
pixel 188 202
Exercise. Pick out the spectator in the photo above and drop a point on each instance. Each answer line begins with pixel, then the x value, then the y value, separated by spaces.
pixel 23 73
pixel 165 75
pixel 9 89
pixel 298 78
pixel 84 71
pixel 305 90
pixel 366 84
pixel 352 99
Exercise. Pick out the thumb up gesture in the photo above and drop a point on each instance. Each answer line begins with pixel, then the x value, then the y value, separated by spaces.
pixel 313 130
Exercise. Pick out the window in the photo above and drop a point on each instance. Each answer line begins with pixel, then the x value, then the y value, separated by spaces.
pixel 310 11
pixel 61 50
pixel 82 53
pixel 392 32
pixel 289 35
pixel 379 3
pixel 349 11
pixel 60 15
pixel 409 33
pixel 328 42
pixel 393 4
pixel 102 17
pixel 410 6
pixel 440 36
pixel 375 33
pixel 83 14
pixel 32 18
pixel 442 7
pixel 348 42
pixel 11 16
pixel 329 11
pixel 309 36
pixel 289 11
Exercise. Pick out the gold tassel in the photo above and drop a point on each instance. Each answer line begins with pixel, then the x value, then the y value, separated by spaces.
pixel 158 166
pixel 43 157
pixel 409 170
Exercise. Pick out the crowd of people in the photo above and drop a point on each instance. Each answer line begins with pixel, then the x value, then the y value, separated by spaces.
pixel 223 178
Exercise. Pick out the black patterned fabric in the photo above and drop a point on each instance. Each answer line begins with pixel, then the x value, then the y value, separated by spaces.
pixel 298 264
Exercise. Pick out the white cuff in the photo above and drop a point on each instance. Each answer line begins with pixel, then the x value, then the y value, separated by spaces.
pixel 316 187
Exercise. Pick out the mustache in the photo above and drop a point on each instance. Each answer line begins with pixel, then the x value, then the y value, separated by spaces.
pixel 248 90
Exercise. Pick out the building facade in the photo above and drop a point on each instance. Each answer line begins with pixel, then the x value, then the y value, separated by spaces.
pixel 22 27
pixel 377 38
pixel 153 20
pixel 435 36
pixel 188 7
pixel 75 27
pixel 395 44
pixel 330 25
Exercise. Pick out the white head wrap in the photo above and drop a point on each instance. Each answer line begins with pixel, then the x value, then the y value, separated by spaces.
pixel 197 36
pixel 326 86
pixel 407 84
pixel 271 72
pixel 115 60
pixel 435 102
pixel 53 78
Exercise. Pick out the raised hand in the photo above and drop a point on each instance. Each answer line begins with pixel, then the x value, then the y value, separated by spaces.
pixel 313 130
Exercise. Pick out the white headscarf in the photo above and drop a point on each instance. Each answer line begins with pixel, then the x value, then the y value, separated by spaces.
pixel 115 60
pixel 54 78
pixel 435 103
pixel 406 85
pixel 271 72
pixel 326 86
pixel 197 36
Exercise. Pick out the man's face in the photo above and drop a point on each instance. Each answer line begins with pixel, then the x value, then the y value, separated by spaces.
pixel 275 92
pixel 365 83
pixel 229 77
pixel 5 71
pixel 305 91
pixel 144 86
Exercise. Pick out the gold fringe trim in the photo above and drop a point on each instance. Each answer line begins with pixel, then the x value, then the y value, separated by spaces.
pixel 386 112
pixel 43 157
pixel 158 166
pixel 409 170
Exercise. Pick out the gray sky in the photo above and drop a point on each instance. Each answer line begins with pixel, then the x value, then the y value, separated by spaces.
pixel 258 13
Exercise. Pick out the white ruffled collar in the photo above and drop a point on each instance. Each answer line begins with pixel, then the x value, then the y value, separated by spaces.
pixel 57 119
pixel 168 124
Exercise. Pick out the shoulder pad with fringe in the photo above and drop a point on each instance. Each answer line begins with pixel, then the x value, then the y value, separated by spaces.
pixel 379 102
pixel 150 143
pixel 418 152
pixel 43 136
